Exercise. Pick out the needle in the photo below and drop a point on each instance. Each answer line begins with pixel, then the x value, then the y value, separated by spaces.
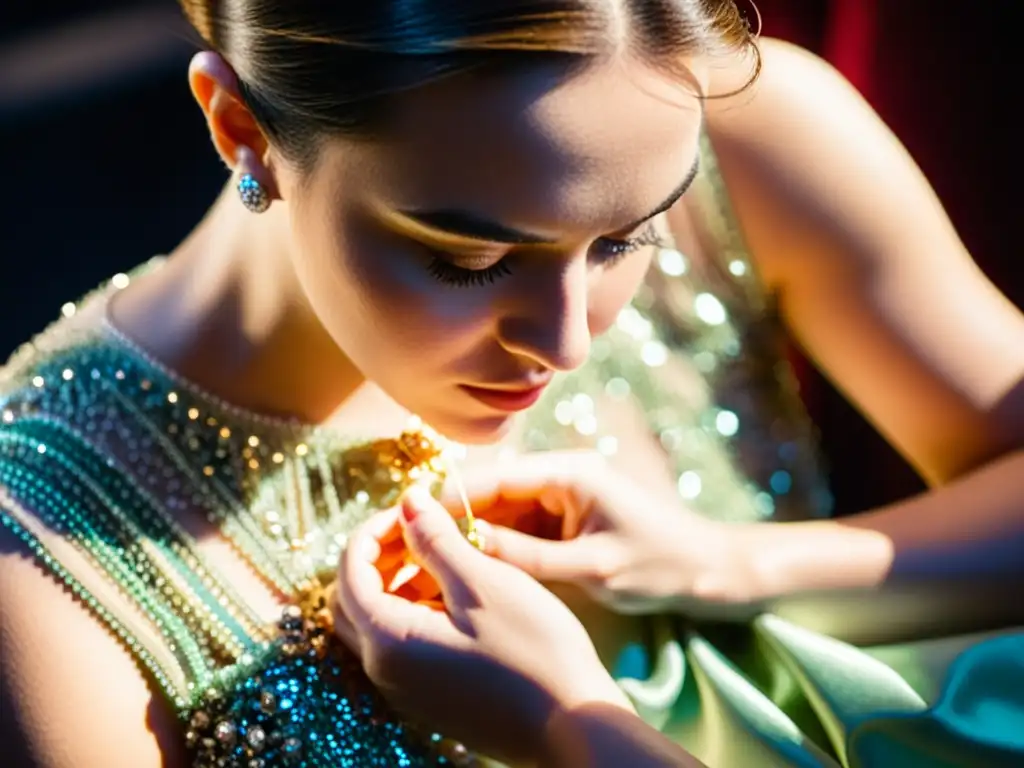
pixel 469 526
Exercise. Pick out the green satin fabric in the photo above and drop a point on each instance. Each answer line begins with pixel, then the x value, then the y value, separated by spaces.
pixel 777 694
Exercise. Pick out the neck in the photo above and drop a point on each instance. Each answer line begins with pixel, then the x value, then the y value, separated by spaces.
pixel 227 313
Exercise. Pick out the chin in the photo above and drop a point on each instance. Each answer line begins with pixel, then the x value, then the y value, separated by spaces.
pixel 469 431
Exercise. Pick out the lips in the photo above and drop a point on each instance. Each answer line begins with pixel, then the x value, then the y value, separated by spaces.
pixel 508 400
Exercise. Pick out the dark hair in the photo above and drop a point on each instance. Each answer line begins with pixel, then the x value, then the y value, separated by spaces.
pixel 309 69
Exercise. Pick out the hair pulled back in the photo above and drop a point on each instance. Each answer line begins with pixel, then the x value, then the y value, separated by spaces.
pixel 310 69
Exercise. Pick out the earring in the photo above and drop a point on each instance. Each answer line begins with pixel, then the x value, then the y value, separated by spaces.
pixel 254 196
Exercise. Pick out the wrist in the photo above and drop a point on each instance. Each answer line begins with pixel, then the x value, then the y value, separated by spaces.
pixel 791 558
pixel 573 733
pixel 597 688
pixel 599 734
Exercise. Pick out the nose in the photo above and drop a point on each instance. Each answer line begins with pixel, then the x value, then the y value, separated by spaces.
pixel 550 324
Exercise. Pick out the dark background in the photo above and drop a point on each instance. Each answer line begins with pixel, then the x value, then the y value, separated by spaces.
pixel 104 160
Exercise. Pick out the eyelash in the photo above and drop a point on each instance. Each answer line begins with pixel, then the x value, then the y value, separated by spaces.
pixel 616 250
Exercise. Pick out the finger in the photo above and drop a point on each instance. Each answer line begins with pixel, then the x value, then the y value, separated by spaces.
pixel 360 584
pixel 543 559
pixel 345 629
pixel 367 617
pixel 383 529
pixel 437 543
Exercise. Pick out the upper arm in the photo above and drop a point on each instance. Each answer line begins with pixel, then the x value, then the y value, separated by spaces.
pixel 872 279
pixel 72 695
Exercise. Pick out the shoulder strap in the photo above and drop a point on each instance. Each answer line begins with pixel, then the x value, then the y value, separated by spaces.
pixel 727 262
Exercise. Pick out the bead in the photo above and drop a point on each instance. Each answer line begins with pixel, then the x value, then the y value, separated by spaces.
pixel 268 702
pixel 255 738
pixel 226 732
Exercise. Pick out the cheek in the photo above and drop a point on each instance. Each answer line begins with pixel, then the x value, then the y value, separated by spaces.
pixel 615 288
pixel 375 295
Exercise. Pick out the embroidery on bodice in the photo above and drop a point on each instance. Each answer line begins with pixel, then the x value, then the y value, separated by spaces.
pixel 105 448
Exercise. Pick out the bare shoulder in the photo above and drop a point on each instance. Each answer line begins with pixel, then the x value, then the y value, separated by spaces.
pixel 72 696
pixel 793 83
pixel 869 272
pixel 803 152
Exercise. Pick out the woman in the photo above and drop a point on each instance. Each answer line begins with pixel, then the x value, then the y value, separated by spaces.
pixel 466 210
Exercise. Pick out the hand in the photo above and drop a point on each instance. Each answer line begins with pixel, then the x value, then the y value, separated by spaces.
pixel 631 550
pixel 488 666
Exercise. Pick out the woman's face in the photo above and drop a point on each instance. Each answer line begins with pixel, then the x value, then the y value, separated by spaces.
pixel 501 225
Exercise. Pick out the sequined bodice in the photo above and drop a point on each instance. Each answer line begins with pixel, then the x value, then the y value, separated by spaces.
pixel 107 449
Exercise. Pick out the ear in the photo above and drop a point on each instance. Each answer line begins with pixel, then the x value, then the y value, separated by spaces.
pixel 236 135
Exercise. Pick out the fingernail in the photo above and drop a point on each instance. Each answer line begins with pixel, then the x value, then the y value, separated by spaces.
pixel 409 510
pixel 414 500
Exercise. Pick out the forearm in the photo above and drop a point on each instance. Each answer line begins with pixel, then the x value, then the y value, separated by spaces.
pixel 970 529
pixel 603 736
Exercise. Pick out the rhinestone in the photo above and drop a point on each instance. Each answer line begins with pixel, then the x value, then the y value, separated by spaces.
pixel 268 702
pixel 256 738
pixel 457 753
pixel 200 720
pixel 226 732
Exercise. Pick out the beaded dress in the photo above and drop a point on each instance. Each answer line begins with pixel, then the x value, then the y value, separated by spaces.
pixel 108 450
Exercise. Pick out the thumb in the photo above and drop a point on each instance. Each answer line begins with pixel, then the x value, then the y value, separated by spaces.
pixel 543 559
pixel 436 542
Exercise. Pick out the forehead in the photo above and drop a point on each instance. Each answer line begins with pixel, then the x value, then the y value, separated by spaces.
pixel 538 147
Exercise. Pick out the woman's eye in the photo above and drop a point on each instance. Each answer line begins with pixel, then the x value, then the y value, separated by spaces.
pixel 612 250
pixel 450 274
pixel 609 251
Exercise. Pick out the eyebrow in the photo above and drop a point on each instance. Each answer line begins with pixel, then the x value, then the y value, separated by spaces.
pixel 468 225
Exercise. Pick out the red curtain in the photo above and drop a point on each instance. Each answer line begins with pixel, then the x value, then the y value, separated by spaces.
pixel 944 77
